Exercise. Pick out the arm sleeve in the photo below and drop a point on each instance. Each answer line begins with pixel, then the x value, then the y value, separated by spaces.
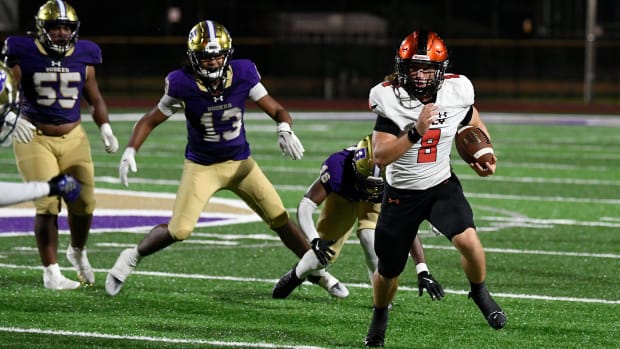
pixel 386 125
pixel 15 193
pixel 304 217
pixel 257 92
pixel 169 105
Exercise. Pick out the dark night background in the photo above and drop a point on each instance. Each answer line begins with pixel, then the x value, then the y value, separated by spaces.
pixel 528 49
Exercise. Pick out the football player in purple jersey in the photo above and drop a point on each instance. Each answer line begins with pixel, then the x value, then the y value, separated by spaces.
pixel 56 71
pixel 211 90
pixel 419 109
pixel 351 188
pixel 10 124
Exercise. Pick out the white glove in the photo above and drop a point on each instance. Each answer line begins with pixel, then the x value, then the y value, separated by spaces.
pixel 23 130
pixel 289 143
pixel 128 162
pixel 109 140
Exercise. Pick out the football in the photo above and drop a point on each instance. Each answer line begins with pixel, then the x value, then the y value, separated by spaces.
pixel 473 145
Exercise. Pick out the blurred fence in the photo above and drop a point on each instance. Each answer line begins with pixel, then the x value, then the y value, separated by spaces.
pixel 533 70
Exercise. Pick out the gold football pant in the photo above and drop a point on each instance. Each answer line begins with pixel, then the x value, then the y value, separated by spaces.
pixel 45 157
pixel 338 217
pixel 199 183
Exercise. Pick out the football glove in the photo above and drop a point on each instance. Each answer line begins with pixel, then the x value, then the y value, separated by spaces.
pixel 322 250
pixel 23 130
pixel 288 142
pixel 428 282
pixel 65 186
pixel 108 138
pixel 128 162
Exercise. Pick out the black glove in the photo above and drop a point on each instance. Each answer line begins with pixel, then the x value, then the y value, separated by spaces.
pixel 428 282
pixel 322 250
pixel 65 186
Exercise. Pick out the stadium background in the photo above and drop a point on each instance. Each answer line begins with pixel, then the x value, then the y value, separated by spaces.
pixel 527 55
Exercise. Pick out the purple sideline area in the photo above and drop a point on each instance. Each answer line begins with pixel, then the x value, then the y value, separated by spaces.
pixel 25 224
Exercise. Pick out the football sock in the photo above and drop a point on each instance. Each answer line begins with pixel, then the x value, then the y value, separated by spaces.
pixel 307 264
pixel 367 239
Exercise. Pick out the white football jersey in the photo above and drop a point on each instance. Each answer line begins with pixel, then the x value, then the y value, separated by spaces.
pixel 427 162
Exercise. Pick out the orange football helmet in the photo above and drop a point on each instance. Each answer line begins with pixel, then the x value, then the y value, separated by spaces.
pixel 421 63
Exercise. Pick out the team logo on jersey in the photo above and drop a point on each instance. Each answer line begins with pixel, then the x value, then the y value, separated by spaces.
pixel 441 117
pixel 393 201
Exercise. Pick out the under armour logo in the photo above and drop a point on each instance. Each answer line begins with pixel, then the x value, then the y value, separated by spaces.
pixel 393 201
pixel 441 118
pixel 218 98
pixel 56 64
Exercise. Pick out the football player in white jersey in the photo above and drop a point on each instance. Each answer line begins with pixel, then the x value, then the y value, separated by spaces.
pixel 419 109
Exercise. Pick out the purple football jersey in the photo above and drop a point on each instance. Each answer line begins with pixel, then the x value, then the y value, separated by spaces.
pixel 215 126
pixel 51 88
pixel 337 175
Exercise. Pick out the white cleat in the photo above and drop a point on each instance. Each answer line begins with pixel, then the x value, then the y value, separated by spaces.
pixel 54 280
pixel 125 264
pixel 77 257
pixel 327 281
pixel 338 290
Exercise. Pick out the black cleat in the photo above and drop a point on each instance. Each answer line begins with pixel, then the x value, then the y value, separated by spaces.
pixel 497 320
pixel 376 332
pixel 286 284
pixel 491 311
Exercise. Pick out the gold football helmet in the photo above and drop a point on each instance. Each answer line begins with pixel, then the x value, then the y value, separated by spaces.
pixel 424 50
pixel 209 39
pixel 54 13
pixel 368 176
pixel 9 96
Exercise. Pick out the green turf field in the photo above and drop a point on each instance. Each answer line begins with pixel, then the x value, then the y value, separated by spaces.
pixel 549 220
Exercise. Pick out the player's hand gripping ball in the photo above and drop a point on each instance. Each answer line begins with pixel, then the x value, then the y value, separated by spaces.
pixel 473 145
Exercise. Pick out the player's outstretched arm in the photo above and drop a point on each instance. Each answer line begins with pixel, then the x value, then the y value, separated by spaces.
pixel 141 130
pixel 287 140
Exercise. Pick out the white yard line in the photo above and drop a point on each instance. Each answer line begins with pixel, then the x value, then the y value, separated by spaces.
pixel 365 286
pixel 153 339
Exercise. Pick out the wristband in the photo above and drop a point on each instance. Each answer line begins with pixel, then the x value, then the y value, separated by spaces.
pixel 413 135
pixel 421 267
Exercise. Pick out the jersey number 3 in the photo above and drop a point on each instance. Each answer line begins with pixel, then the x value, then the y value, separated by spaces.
pixel 234 116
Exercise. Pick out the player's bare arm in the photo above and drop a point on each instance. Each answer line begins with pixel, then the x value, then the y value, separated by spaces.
pixel 388 148
pixel 316 192
pixel 489 170
pixel 92 94
pixel 143 127
pixel 274 109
